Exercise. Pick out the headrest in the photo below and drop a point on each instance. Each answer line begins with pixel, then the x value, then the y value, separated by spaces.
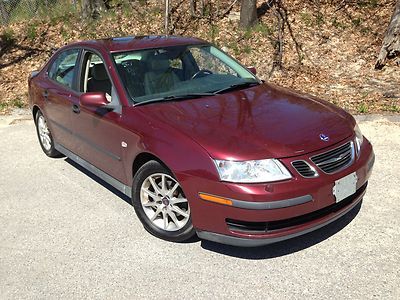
pixel 99 72
pixel 159 63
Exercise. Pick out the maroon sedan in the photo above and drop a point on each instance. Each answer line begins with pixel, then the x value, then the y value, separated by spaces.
pixel 199 143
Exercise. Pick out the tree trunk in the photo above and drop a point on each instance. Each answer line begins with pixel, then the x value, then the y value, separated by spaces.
pixel 248 13
pixel 193 8
pixel 166 17
pixel 391 42
pixel 92 8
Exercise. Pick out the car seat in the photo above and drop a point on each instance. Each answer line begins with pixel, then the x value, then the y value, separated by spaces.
pixel 99 82
pixel 160 77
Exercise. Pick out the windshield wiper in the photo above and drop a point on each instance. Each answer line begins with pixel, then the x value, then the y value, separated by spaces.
pixel 237 86
pixel 175 97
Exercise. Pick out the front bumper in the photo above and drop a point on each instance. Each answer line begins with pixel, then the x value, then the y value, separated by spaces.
pixel 255 242
pixel 283 207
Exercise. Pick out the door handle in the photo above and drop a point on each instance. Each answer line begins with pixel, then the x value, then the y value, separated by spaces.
pixel 76 109
pixel 45 94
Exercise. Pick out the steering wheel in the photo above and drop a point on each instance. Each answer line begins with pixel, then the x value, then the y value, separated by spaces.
pixel 203 72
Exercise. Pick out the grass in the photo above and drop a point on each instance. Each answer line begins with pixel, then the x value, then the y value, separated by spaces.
pixel 309 20
pixel 247 49
pixel 15 103
pixel 261 28
pixel 363 108
pixel 391 108
pixel 54 10
pixel 368 3
pixel 31 31
pixel 306 18
pixel 213 33
pixel 7 37
pixel 18 103
pixel 356 22
pixel 3 105
pixel 338 24
pixel 234 47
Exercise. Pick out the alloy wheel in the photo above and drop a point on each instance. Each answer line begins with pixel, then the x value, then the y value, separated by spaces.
pixel 164 202
pixel 44 133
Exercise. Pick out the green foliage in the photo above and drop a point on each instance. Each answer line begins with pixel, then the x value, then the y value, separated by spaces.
pixel 319 19
pixel 31 31
pixel 368 3
pixel 18 103
pixel 365 29
pixel 235 47
pixel 264 29
pixel 310 20
pixel 64 33
pixel 214 31
pixel 39 9
pixel 156 10
pixel 261 28
pixel 338 24
pixel 7 38
pixel 306 18
pixel 356 22
pixel 3 105
pixel 392 108
pixel 363 108
pixel 15 103
pixel 247 49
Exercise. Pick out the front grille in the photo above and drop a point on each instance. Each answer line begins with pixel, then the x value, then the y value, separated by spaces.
pixel 304 169
pixel 336 159
pixel 265 227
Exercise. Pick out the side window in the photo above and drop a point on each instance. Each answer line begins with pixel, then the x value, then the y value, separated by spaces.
pixel 207 61
pixel 176 63
pixel 94 76
pixel 63 68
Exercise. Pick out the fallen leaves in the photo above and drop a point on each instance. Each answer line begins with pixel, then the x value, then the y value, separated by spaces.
pixel 338 48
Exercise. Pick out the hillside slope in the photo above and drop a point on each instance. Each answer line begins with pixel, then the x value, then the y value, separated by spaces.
pixel 329 50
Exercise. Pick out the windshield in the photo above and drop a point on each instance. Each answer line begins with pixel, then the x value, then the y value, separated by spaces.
pixel 176 71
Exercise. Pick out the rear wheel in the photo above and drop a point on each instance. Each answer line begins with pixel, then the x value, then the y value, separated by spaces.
pixel 45 138
pixel 161 204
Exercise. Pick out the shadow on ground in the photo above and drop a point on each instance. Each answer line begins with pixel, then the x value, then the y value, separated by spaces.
pixel 99 181
pixel 269 251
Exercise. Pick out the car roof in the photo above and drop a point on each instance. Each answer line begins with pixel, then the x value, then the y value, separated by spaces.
pixel 128 43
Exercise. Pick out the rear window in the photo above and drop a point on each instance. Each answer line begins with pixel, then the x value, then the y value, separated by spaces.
pixel 64 66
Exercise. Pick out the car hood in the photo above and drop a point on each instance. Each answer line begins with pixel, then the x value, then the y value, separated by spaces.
pixel 260 122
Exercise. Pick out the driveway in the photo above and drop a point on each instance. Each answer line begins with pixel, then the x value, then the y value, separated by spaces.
pixel 65 234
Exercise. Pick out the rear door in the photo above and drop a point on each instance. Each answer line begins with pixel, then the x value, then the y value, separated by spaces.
pixel 61 94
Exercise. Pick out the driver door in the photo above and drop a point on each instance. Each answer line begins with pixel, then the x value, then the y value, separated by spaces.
pixel 98 133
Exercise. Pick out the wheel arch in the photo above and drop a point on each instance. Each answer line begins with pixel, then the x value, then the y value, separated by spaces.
pixel 143 158
pixel 35 110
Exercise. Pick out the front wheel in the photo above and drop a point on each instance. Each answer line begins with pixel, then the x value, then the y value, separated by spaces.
pixel 160 203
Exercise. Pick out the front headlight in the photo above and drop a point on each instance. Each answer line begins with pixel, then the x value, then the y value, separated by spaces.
pixel 252 171
pixel 359 139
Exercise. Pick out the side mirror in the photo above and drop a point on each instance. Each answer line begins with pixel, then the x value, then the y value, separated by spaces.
pixel 93 99
pixel 252 70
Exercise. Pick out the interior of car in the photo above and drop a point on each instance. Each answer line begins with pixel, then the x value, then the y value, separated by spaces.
pixel 95 77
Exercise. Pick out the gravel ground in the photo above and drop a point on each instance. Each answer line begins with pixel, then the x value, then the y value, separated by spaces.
pixel 65 235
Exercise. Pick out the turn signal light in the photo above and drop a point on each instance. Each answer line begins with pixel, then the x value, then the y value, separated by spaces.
pixel 215 199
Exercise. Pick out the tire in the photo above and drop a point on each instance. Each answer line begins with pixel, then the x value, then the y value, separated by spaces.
pixel 160 203
pixel 44 135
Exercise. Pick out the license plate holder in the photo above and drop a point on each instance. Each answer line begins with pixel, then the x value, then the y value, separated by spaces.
pixel 345 186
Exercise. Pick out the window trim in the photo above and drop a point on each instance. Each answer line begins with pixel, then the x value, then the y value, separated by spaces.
pixel 84 51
